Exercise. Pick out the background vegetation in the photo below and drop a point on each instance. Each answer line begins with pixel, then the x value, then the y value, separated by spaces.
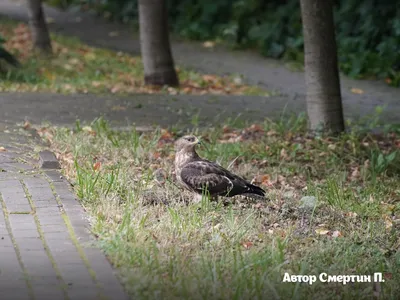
pixel 368 31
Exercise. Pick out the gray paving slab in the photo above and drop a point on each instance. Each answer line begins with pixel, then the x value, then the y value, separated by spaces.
pixel 44 240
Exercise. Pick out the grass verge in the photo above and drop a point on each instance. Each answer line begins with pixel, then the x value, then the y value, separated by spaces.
pixel 333 206
pixel 78 68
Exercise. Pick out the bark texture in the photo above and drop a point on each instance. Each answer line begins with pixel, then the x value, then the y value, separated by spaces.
pixel 155 45
pixel 324 102
pixel 40 33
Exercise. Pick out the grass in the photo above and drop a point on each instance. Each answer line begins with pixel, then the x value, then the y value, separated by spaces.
pixel 78 68
pixel 168 247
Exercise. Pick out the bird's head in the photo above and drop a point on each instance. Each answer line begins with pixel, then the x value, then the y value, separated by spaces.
pixel 187 142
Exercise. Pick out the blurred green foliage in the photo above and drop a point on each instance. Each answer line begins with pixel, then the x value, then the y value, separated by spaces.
pixel 368 31
pixel 6 56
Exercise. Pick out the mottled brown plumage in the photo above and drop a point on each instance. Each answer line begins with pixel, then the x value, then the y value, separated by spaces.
pixel 196 174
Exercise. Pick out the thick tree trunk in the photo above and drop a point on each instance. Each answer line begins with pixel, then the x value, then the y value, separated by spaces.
pixel 40 33
pixel 154 42
pixel 324 103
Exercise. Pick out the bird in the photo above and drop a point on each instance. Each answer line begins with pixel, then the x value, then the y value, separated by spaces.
pixel 197 174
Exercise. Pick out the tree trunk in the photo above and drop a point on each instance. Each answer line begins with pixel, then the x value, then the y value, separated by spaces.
pixel 40 33
pixel 154 42
pixel 324 103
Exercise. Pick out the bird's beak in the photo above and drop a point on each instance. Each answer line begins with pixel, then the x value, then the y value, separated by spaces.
pixel 198 142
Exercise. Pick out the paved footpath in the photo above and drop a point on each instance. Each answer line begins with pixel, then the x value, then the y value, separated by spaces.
pixel 46 251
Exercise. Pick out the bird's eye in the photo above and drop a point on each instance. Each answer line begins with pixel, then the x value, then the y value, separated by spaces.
pixel 190 139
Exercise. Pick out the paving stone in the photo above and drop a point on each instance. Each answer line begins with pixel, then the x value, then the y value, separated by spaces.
pixel 6 241
pixel 20 293
pixel 29 243
pixel 47 160
pixel 45 203
pixel 36 181
pixel 22 221
pixel 87 293
pixel 51 220
pixel 53 229
pixel 63 236
pixel 49 210
pixel 48 292
pixel 10 184
pixel 54 176
pixel 19 208
pixel 29 234
pixel 41 193
pixel 67 258
pixel 20 166
pixel 56 245
pixel 111 286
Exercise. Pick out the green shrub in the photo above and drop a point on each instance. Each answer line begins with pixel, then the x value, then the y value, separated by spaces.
pixel 6 56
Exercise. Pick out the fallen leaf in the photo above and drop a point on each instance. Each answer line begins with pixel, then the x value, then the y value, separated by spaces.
pixel 247 245
pixel 283 154
pixel 89 130
pixel 26 125
pixel 357 91
pixel 355 174
pixel 336 234
pixel 2 149
pixel 388 275
pixel 208 44
pixel 262 180
pixel 388 222
pixel 90 56
pixel 351 214
pixel 96 166
pixel 322 231
pixel 331 146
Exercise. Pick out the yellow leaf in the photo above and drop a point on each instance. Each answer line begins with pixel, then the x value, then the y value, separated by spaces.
pixel 322 231
pixel 26 125
pixel 388 222
pixel 90 56
pixel 68 67
pixel 357 91
pixel 208 44
pixel 2 149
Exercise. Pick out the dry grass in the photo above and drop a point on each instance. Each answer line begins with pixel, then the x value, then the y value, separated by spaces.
pixel 168 247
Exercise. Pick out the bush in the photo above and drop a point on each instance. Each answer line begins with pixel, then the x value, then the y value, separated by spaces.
pixel 368 31
pixel 6 56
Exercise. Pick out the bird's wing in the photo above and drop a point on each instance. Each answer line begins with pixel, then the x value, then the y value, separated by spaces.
pixel 200 175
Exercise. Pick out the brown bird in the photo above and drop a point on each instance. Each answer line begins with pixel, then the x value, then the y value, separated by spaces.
pixel 197 174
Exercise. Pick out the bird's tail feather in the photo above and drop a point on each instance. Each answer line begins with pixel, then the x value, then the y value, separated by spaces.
pixel 256 190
